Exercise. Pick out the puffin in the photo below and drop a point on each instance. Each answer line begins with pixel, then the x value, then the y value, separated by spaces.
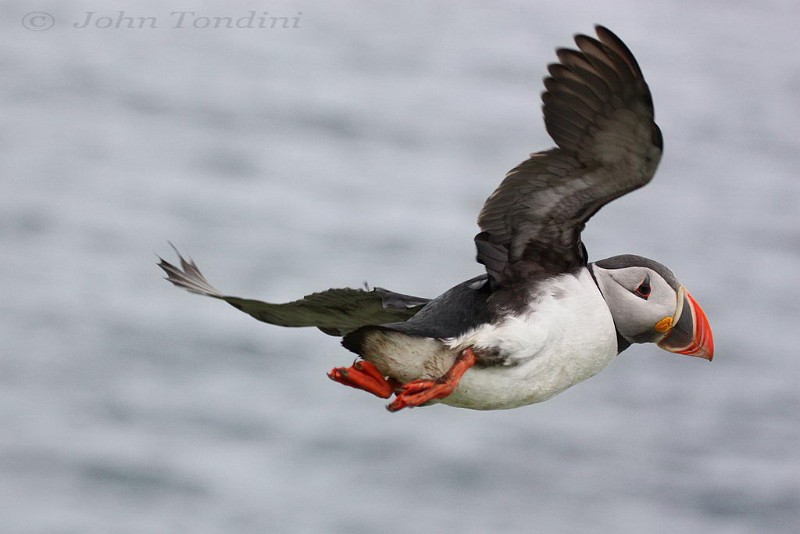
pixel 541 317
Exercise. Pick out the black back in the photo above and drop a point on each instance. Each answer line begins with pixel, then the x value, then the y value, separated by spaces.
pixel 451 314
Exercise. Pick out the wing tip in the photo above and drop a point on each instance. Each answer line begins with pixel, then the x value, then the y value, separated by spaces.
pixel 612 41
pixel 601 73
pixel 187 276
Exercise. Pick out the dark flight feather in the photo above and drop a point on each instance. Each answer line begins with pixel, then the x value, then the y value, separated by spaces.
pixel 335 311
pixel 598 110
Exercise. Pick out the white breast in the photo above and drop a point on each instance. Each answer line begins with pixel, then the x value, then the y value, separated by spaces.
pixel 565 336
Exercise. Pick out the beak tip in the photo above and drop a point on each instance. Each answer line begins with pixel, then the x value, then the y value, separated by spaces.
pixel 695 339
pixel 703 334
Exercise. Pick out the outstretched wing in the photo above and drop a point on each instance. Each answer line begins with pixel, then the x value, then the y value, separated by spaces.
pixel 598 110
pixel 335 311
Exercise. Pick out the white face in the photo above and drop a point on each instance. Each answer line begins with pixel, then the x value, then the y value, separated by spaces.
pixel 640 300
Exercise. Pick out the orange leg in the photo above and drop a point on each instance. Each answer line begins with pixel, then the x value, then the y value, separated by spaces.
pixel 418 392
pixel 364 375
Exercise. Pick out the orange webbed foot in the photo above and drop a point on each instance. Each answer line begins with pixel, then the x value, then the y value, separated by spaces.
pixel 419 392
pixel 364 375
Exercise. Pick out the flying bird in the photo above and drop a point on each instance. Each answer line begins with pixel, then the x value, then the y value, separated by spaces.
pixel 542 317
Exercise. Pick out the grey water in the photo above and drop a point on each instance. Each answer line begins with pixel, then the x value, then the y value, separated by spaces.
pixel 357 145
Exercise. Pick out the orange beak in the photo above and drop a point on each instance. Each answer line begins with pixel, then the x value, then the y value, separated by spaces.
pixel 690 333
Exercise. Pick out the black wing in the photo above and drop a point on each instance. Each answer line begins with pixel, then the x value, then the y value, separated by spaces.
pixel 335 311
pixel 598 110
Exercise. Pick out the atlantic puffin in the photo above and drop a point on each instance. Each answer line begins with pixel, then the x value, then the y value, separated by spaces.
pixel 542 317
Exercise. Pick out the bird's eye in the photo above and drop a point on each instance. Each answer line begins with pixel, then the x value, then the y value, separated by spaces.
pixel 643 290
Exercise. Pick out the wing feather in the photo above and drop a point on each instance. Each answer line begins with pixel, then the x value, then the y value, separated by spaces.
pixel 598 110
pixel 335 311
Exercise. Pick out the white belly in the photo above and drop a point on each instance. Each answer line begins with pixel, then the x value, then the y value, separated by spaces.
pixel 563 338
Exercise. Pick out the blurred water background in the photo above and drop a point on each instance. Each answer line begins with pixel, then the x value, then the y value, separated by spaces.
pixel 359 147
